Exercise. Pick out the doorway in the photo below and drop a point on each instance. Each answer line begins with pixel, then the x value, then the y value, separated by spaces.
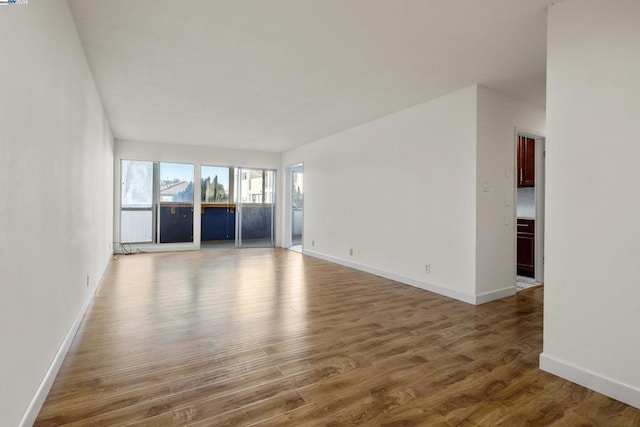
pixel 294 218
pixel 297 207
pixel 530 186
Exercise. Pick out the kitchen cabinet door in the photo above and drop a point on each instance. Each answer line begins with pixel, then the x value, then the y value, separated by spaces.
pixel 526 247
pixel 526 162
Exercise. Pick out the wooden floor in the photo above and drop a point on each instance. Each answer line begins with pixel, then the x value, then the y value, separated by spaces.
pixel 270 337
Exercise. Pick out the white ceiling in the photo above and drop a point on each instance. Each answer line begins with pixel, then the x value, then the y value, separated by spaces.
pixel 274 74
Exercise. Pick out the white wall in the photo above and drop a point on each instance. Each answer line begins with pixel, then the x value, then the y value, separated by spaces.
pixel 408 190
pixel 498 118
pixel 592 289
pixel 198 156
pixel 56 192
pixel 400 191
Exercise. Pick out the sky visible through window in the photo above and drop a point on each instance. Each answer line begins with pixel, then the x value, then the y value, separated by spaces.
pixel 222 173
pixel 179 171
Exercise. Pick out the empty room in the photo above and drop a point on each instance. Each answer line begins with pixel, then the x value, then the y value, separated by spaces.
pixel 304 212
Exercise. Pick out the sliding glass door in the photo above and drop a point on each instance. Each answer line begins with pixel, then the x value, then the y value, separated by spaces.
pixel 218 208
pixel 157 204
pixel 256 207
pixel 175 210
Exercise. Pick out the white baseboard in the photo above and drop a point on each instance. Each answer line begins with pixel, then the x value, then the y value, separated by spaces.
pixel 494 295
pixel 609 387
pixel 469 299
pixel 32 411
pixel 153 247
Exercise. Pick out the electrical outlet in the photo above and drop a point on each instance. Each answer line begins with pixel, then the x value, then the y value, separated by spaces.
pixel 87 280
pixel 427 268
pixel 350 252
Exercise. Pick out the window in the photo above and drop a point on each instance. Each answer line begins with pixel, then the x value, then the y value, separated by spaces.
pixel 156 202
pixel 136 216
pixel 215 184
pixel 176 182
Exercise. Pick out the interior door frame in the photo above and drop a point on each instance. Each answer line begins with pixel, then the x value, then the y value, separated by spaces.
pixel 288 217
pixel 540 150
pixel 298 168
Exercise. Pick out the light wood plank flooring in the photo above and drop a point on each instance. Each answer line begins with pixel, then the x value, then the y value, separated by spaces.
pixel 270 337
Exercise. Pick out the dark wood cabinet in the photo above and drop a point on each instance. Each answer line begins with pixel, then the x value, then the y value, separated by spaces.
pixel 526 247
pixel 526 162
